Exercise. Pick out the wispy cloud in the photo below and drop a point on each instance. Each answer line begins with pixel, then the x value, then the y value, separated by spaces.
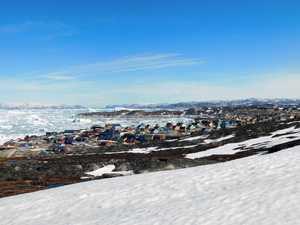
pixel 15 28
pixel 73 81
pixel 61 78
pixel 58 76
pixel 45 31
pixel 60 85
pixel 129 64
pixel 58 34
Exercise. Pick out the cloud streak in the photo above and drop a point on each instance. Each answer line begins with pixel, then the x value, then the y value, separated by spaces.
pixel 45 31
pixel 60 85
pixel 16 28
pixel 58 76
pixel 130 64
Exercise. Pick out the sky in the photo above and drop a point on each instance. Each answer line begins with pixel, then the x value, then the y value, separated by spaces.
pixel 98 53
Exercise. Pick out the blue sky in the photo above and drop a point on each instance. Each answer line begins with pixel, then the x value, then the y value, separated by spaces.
pixel 96 52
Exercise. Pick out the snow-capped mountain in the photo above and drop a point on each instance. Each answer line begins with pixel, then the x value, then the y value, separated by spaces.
pixel 217 103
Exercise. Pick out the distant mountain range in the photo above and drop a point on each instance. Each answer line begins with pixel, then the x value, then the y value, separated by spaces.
pixel 153 106
pixel 38 106
pixel 218 103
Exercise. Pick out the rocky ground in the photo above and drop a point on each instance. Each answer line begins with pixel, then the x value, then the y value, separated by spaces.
pixel 225 113
pixel 37 172
pixel 133 114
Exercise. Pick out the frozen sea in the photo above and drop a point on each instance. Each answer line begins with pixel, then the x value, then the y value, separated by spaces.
pixel 19 123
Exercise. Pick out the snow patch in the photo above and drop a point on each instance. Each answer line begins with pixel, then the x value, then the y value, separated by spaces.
pixel 208 141
pixel 107 169
pixel 256 143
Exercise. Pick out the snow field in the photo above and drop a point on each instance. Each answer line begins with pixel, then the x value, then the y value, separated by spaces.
pixel 261 189
pixel 286 135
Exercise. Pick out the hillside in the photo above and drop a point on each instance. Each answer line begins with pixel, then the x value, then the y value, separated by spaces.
pixel 261 189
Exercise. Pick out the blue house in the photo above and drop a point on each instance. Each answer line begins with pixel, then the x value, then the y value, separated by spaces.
pixel 106 136
pixel 154 131
pixel 168 129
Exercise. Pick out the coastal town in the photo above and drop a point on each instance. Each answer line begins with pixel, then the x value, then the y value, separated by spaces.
pixel 207 136
pixel 99 136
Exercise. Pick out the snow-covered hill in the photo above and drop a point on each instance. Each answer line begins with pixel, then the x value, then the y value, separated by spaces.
pixel 261 189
